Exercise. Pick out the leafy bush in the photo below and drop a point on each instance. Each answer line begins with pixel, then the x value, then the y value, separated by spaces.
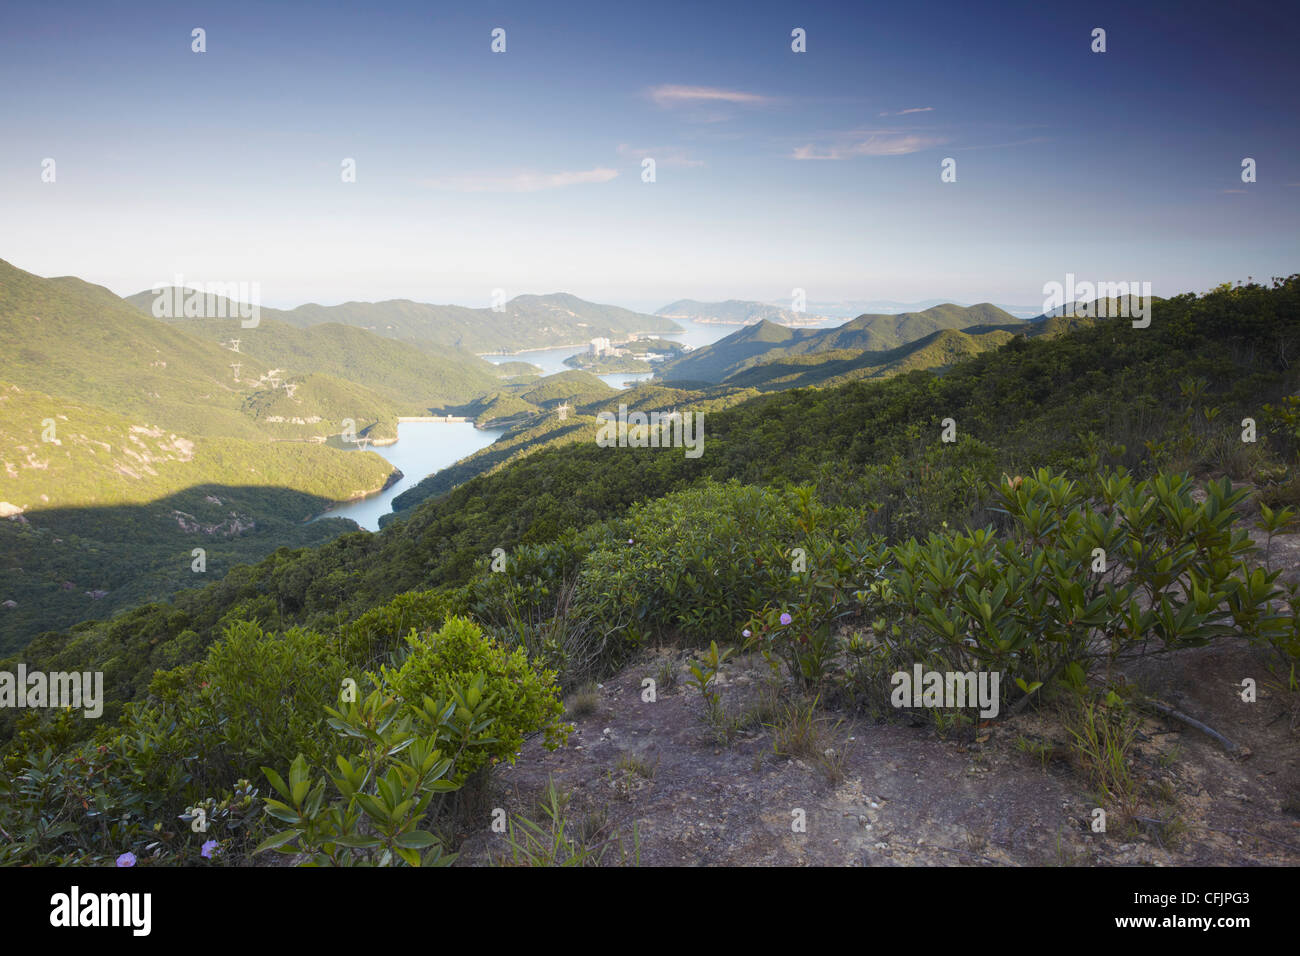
pixel 257 699
pixel 370 639
pixel 1074 585
pixel 84 806
pixel 700 561
pixel 394 759
pixel 526 697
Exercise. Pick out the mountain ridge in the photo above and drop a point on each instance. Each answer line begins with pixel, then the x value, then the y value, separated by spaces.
pixel 765 341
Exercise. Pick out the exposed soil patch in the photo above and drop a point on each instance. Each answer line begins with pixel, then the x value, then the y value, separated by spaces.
pixel 893 794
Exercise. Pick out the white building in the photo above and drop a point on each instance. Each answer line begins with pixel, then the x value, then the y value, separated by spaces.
pixel 599 346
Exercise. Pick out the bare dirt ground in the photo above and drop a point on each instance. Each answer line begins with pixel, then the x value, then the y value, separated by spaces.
pixel 892 794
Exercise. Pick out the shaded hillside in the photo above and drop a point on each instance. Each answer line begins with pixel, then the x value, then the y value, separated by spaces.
pixel 59 566
pixel 714 363
pixel 835 367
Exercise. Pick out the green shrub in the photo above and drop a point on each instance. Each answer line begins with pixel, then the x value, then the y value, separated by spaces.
pixel 1079 584
pixel 256 699
pixel 371 638
pixel 700 561
pixel 1075 584
pixel 526 697
pixel 395 758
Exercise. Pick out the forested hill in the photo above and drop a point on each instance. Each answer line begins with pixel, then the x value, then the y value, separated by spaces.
pixel 524 322
pixel 768 342
pixel 412 378
pixel 1032 402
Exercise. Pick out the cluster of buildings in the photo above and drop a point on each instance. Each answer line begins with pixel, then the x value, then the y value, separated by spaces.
pixel 601 348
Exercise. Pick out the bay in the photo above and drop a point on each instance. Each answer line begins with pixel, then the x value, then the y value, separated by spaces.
pixel 693 334
pixel 421 449
pixel 424 448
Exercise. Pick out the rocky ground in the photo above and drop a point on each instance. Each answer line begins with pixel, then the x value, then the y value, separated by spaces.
pixel 653 783
pixel 890 794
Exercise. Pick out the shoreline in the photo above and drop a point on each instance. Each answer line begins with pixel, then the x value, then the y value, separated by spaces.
pixel 787 325
pixel 582 345
pixel 397 474
pixel 393 478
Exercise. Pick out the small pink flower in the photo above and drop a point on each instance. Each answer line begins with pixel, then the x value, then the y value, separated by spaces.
pixel 745 633
pixel 126 859
pixel 786 619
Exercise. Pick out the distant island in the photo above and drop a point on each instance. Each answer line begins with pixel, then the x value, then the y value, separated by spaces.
pixel 737 312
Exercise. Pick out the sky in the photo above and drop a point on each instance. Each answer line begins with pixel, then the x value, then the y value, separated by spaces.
pixel 775 170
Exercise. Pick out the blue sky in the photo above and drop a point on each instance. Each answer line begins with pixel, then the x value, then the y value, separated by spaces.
pixel 775 170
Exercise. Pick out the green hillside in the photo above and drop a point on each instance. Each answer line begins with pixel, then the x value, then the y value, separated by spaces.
pixel 576 387
pixel 111 419
pixel 521 402
pixel 525 322
pixel 1030 402
pixel 65 337
pixel 500 408
pixel 714 363
pixel 98 458
pixel 767 342
pixel 415 378
pixel 543 429
pixel 611 551
pixel 61 566
pixel 116 507
pixel 317 406
pixel 516 369
pixel 837 366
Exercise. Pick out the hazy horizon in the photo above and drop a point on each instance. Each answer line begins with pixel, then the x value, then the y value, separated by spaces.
pixel 649 307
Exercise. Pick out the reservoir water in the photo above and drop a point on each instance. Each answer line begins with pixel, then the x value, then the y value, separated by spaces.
pixel 551 361
pixel 694 335
pixel 421 449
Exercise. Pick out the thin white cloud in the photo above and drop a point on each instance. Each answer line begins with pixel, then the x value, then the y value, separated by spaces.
pixel 1018 142
pixel 521 182
pixel 910 109
pixel 662 155
pixel 878 143
pixel 672 94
